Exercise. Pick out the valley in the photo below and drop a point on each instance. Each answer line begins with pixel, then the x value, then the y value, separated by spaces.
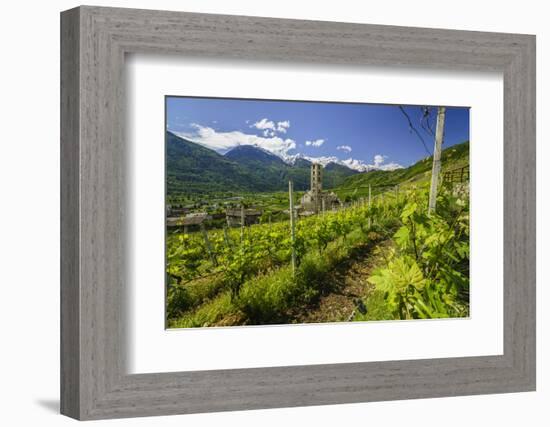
pixel 236 257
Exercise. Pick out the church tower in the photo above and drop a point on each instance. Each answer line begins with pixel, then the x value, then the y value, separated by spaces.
pixel 316 185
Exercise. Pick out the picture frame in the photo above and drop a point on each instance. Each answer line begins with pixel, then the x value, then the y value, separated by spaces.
pixel 94 379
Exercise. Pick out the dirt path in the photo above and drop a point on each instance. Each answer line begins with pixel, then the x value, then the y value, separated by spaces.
pixel 348 285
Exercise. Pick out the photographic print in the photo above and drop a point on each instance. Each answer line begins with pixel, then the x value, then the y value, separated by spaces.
pixel 296 212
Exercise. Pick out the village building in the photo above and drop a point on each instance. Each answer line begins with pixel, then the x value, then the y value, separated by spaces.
pixel 235 216
pixel 316 200
pixel 177 211
pixel 190 222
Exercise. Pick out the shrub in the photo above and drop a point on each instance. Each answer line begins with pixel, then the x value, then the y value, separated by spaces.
pixel 427 274
pixel 207 314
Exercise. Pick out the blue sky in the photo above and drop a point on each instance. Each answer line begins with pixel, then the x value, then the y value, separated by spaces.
pixel 359 135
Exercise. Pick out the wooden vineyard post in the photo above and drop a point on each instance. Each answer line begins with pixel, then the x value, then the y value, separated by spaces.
pixel 242 222
pixel 436 166
pixel 208 245
pixel 370 212
pixel 226 237
pixel 292 226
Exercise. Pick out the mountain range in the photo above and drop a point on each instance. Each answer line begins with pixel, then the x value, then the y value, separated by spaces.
pixel 191 167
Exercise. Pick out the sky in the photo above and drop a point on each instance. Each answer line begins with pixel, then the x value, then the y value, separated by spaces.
pixel 361 136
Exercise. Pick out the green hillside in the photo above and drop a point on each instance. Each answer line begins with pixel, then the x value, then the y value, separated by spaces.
pixel 335 174
pixel 192 168
pixel 270 171
pixel 451 158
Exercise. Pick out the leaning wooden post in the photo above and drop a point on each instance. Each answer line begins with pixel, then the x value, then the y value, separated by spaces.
pixel 382 204
pixel 208 245
pixel 226 237
pixel 292 226
pixel 436 165
pixel 242 221
pixel 370 212
pixel 370 195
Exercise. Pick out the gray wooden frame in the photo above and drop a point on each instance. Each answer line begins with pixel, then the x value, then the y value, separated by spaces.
pixel 94 382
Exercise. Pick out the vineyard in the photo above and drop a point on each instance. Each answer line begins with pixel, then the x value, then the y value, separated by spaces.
pixel 419 263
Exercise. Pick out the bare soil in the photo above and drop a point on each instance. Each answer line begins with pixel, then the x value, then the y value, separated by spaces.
pixel 348 286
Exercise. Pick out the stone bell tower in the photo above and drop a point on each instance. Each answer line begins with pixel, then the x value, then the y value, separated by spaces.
pixel 316 185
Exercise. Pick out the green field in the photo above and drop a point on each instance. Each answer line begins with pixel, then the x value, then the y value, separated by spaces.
pixel 387 259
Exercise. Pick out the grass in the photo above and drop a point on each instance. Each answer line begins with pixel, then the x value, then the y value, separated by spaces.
pixel 184 298
pixel 271 298
pixel 207 314
pixel 277 295
pixel 377 308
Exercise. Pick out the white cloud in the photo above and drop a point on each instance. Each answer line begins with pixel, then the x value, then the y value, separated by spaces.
pixel 222 142
pixel 323 160
pixel 355 164
pixel 264 124
pixel 379 159
pixel 269 125
pixel 283 126
pixel 345 148
pixel 315 143
pixel 378 164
